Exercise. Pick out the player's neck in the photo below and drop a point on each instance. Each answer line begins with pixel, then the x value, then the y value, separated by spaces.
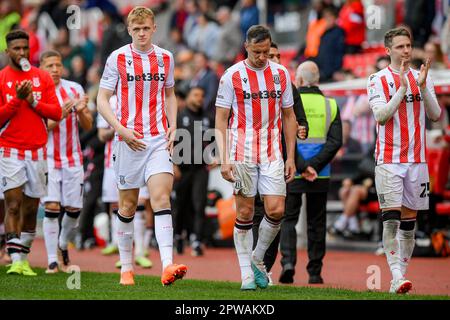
pixel 14 66
pixel 251 65
pixel 396 67
pixel 143 49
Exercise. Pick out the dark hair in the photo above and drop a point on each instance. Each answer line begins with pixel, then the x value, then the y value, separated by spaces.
pixel 16 34
pixel 331 10
pixel 257 33
pixel 195 88
pixel 49 53
pixel 273 45
pixel 391 34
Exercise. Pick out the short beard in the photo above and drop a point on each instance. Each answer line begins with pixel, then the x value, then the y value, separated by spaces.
pixel 18 66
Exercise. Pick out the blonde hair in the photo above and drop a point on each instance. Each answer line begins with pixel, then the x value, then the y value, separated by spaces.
pixel 140 13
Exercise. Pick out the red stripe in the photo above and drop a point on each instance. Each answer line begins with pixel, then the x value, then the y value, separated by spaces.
pixel 256 112
pixel 388 127
pixel 69 130
pixel 34 155
pixel 283 82
pixel 377 150
pixel 416 111
pixel 139 92
pixel 237 84
pixel 20 154
pixel 166 59
pixel 6 152
pixel 124 110
pixel 153 94
pixel 108 154
pixel 268 76
pixel 403 117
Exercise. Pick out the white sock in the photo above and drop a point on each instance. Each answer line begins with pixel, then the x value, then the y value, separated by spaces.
pixel 268 230
pixel 125 233
pixel 164 236
pixel 353 224
pixel 243 242
pixel 26 239
pixel 148 237
pixel 51 231
pixel 68 228
pixel 391 247
pixel 407 242
pixel 139 231
pixel 15 256
pixel 114 229
pixel 341 222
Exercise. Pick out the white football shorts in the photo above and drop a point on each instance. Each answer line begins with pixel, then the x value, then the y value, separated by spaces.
pixel 403 184
pixel 66 186
pixel 110 193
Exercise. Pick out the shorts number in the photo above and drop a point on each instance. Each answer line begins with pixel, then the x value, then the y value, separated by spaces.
pixel 426 190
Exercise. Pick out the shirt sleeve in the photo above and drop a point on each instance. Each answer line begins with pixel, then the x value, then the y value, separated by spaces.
pixel 225 92
pixel 170 82
pixel 48 106
pixel 110 75
pixel 375 91
pixel 287 100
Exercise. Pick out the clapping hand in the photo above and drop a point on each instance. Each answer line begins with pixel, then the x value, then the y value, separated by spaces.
pixel 422 80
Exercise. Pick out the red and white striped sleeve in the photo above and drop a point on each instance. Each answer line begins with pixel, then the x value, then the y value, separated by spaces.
pixel 287 98
pixel 225 92
pixel 110 75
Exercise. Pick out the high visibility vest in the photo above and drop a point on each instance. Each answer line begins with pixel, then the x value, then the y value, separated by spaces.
pixel 320 113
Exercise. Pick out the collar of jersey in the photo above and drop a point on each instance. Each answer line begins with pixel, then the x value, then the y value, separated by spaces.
pixel 255 69
pixel 142 52
pixel 396 71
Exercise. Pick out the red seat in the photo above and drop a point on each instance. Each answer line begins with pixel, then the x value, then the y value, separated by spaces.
pixel 372 207
pixel 443 208
pixel 438 165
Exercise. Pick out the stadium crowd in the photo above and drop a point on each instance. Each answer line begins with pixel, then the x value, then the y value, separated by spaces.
pixel 206 37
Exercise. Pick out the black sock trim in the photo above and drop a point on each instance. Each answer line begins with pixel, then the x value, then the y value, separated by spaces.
pixel 163 212
pixel 243 225
pixel 140 207
pixel 391 215
pixel 408 225
pixel 125 219
pixel 271 220
pixel 73 214
pixel 13 247
pixel 115 211
pixel 51 214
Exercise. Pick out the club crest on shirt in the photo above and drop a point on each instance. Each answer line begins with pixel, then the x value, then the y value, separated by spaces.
pixel 9 83
pixel 160 62
pixel 122 180
pixel 36 82
pixel 276 79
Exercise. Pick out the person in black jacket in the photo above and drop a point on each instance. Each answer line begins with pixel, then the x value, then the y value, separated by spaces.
pixel 313 159
pixel 332 46
pixel 191 171
pixel 271 253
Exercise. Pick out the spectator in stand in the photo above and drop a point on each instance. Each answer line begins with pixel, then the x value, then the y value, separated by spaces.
pixel 316 27
pixel 434 52
pixel 203 35
pixel 9 20
pixel 350 146
pixel 249 15
pixel 351 20
pixel 419 17
pixel 78 70
pixel 175 42
pixel 229 40
pixel 207 79
pixel 179 16
pixel 191 20
pixel 355 190
pixel 332 46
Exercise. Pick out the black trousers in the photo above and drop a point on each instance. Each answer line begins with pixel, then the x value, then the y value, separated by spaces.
pixel 316 230
pixel 93 191
pixel 272 251
pixel 190 201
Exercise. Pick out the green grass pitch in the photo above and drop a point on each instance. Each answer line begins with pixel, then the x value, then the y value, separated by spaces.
pixel 105 286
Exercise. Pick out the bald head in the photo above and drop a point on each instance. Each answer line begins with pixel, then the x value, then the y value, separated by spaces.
pixel 307 74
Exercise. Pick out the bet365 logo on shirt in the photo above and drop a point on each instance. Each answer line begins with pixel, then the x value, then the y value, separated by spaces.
pixel 146 77
pixel 264 94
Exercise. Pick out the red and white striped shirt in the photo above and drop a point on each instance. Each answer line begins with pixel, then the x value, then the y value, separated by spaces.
pixel 139 80
pixel 102 123
pixel 63 146
pixel 255 97
pixel 402 138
